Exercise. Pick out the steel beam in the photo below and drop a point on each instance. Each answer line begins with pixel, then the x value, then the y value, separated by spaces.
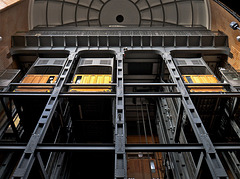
pixel 166 95
pixel 150 84
pixel 6 166
pixel 199 165
pixel 215 166
pixel 215 95
pixel 120 136
pixel 64 147
pixel 42 167
pixel 24 94
pixel 207 84
pixel 10 116
pixel 74 95
pixel 32 84
pixel 25 164
pixel 98 85
pixel 179 124
pixel 232 162
pixel 176 161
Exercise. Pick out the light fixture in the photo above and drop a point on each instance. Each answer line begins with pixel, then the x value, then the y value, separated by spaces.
pixel 140 154
pixel 235 26
pixel 238 38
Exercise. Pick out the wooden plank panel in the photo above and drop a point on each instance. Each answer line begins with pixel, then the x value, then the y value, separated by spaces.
pixel 36 79
pixel 91 79
pixel 203 79
pixel 220 20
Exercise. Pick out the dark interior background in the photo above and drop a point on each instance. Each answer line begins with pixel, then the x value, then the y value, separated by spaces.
pixel 232 4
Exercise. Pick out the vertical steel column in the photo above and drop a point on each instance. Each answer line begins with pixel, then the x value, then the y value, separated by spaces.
pixel 176 160
pixel 120 138
pixel 215 166
pixel 26 162
pixel 179 124
pixel 6 166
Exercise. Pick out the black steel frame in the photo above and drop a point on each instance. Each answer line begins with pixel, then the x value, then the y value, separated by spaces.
pixel 31 150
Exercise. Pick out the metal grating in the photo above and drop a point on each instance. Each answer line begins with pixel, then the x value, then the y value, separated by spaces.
pixel 105 62
pixel 181 62
pixel 50 62
pixel 189 62
pixel 58 62
pixel 7 76
pixel 197 62
pixel 87 62
pixel 43 62
pixel 95 62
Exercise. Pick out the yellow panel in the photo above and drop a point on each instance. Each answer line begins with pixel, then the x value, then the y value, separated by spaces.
pixel 91 79
pixel 36 79
pixel 100 79
pixel 203 79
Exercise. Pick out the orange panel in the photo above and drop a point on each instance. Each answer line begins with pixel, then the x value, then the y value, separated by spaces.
pixel 203 79
pixel 91 79
pixel 37 79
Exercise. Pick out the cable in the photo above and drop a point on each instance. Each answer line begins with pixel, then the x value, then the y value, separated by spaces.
pixel 150 125
pixel 139 134
pixel 153 141
pixel 145 133
pixel 138 125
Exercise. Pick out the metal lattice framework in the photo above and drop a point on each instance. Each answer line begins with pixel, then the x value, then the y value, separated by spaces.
pixel 114 42
pixel 179 125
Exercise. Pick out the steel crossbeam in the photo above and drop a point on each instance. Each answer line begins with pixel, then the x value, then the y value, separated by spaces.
pixel 61 147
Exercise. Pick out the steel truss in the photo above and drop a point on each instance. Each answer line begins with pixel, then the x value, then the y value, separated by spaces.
pixel 31 151
pixel 216 168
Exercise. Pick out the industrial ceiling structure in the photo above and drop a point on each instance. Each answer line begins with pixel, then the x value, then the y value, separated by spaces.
pixel 120 89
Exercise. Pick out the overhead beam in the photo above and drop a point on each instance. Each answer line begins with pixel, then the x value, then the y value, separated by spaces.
pixel 64 147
